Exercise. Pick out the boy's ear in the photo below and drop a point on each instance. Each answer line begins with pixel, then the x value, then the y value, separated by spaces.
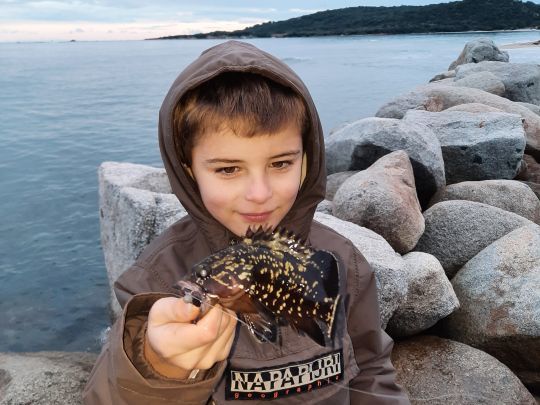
pixel 304 169
pixel 188 169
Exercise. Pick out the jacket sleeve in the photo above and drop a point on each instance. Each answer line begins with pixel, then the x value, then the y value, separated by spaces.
pixel 376 382
pixel 121 375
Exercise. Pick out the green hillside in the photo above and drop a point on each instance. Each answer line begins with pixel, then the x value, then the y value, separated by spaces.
pixel 465 15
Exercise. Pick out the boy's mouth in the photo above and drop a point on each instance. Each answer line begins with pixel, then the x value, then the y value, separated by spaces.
pixel 256 216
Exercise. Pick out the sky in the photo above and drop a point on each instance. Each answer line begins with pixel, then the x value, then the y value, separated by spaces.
pixel 105 20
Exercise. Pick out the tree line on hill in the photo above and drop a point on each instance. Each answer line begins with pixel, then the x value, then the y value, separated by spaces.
pixel 465 15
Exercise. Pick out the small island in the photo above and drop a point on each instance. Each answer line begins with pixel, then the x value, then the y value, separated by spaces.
pixel 457 16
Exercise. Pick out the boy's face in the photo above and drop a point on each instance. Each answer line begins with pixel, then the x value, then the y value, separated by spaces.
pixel 248 181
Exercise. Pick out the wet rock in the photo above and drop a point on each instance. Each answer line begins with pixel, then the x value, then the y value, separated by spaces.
pixel 499 292
pixel 430 296
pixel 521 80
pixel 135 205
pixel 52 378
pixel 478 50
pixel 509 195
pixel 476 146
pixel 383 198
pixel 385 262
pixel 334 181
pixel 435 98
pixel 457 230
pixel 438 371
pixel 360 144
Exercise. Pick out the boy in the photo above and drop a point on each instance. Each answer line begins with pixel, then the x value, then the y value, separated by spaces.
pixel 243 146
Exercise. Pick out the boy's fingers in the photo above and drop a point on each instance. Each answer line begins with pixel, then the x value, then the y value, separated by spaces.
pixel 170 309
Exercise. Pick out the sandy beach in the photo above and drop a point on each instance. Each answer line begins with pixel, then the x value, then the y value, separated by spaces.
pixel 522 45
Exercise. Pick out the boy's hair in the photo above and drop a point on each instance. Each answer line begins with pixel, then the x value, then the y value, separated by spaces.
pixel 246 103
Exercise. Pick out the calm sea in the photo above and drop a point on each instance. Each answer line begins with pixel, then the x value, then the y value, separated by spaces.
pixel 67 107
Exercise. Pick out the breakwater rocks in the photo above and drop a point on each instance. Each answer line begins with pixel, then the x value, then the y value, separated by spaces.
pixel 440 194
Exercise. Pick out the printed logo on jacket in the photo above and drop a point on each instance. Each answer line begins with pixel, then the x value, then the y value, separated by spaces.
pixel 286 380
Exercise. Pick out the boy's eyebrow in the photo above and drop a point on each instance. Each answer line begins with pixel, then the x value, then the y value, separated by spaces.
pixel 221 160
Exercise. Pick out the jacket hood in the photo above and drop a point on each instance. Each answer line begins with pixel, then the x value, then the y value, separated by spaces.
pixel 237 56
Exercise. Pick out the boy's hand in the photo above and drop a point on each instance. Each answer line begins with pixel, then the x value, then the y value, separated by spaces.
pixel 174 346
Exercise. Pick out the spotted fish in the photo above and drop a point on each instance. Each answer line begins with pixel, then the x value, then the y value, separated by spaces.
pixel 270 279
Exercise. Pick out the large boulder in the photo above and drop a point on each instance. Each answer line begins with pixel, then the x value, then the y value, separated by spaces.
pixel 334 181
pixel 457 230
pixel 509 195
pixel 476 146
pixel 429 298
pixel 479 50
pixel 486 81
pixel 521 80
pixel 358 145
pixel 473 108
pixel 135 205
pixel 386 263
pixel 533 107
pixel 52 378
pixel 383 199
pixel 531 170
pixel 435 98
pixel 438 371
pixel 450 74
pixel 499 292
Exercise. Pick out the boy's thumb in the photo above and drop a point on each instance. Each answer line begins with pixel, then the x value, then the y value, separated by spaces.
pixel 186 312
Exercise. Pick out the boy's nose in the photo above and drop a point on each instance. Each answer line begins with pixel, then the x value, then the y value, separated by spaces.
pixel 259 189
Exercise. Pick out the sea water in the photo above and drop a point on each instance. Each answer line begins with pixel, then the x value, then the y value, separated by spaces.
pixel 67 107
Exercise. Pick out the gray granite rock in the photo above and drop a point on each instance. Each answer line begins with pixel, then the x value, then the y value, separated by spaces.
pixel 457 230
pixel 52 378
pixel 486 81
pixel 438 371
pixel 383 199
pixel 479 50
pixel 533 107
pixel 473 108
pixel 509 195
pixel 437 98
pixel 476 146
pixel 334 181
pixel 450 74
pixel 325 207
pixel 386 263
pixel 521 80
pixel 499 292
pixel 135 205
pixel 358 145
pixel 429 298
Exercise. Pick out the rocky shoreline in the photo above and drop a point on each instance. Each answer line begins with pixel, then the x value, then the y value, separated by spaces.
pixel 440 192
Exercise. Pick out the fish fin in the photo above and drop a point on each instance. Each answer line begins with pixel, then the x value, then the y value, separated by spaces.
pixel 328 269
pixel 262 327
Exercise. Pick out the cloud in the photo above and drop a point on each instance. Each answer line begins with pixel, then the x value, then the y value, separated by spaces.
pixel 304 10
pixel 97 31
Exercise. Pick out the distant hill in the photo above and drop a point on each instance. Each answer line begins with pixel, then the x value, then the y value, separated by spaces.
pixel 465 15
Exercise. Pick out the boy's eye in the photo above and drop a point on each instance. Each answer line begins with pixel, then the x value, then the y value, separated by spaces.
pixel 227 170
pixel 282 164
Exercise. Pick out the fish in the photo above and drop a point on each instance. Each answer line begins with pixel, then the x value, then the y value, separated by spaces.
pixel 270 279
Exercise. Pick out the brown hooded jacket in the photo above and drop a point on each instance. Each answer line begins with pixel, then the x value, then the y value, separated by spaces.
pixel 298 371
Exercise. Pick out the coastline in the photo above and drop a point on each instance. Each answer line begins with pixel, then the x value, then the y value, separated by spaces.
pixel 533 44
